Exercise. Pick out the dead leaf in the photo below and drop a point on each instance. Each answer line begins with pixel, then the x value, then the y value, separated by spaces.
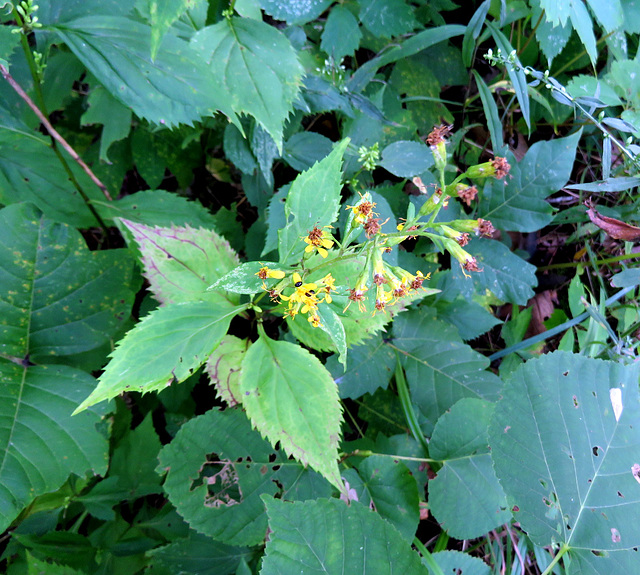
pixel 542 306
pixel 615 228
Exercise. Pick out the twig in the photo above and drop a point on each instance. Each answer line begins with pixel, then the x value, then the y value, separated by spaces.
pixel 53 132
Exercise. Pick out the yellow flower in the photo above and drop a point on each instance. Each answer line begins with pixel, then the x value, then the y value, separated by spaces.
pixel 363 210
pixel 318 240
pixel 264 272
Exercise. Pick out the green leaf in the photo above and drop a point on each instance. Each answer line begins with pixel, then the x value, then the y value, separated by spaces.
pixel 327 536
pixel 244 278
pixel 406 159
pixel 313 200
pixel 502 272
pixel 619 184
pixel 198 554
pixel 304 149
pixel 255 67
pixel 566 455
pixel 370 367
pixel 58 298
pixel 167 346
pixel 116 118
pixel 626 278
pixel 174 88
pixel 180 263
pixel 217 468
pixel 491 113
pixel 224 368
pixel 387 18
pixel 40 443
pixel 552 37
pixel 341 35
pixel 31 172
pixel 238 151
pixel 291 398
pixel 332 326
pixel 440 368
pixel 295 12
pixel 517 203
pixel 389 488
pixel 458 562
pixel 582 24
pixel 37 567
pixel 517 77
pixel 470 318
pixel 473 31
pixel 158 208
pixel 460 441
pixel 556 12
pixel 163 13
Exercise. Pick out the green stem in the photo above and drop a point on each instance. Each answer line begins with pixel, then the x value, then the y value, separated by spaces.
pixel 555 560
pixel 611 260
pixel 428 557
pixel 407 407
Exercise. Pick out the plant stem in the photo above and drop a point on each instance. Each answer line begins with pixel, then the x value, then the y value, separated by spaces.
pixel 53 132
pixel 407 407
pixel 428 557
pixel 611 260
pixel 555 560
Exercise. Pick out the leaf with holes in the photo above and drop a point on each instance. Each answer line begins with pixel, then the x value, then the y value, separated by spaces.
pixel 217 467
pixel 255 67
pixel 564 440
pixel 291 398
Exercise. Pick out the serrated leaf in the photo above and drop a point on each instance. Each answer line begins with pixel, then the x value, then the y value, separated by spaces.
pixel 31 172
pixel 440 368
pixel 582 24
pixel 292 399
pixel 158 208
pixel 199 554
pixel 460 441
pixel 566 456
pixel 341 35
pixel 502 272
pixel 313 200
pixel 180 263
pixel 352 539
pixel 552 37
pixel 175 88
pixel 370 367
pixel 244 278
pixel 406 159
pixel 331 324
pixel 391 490
pixel 163 13
pixel 295 12
pixel 255 67
pixel 517 203
pixel 37 567
pixel 217 468
pixel 167 346
pixel 224 368
pixel 387 18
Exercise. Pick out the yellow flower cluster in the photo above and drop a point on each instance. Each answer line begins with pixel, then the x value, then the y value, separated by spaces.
pixel 308 296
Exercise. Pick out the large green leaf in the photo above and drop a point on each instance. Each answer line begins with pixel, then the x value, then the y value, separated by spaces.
pixel 162 14
pixel 176 87
pixel 341 35
pixel 517 203
pixel 327 536
pixel 502 272
pixel 31 172
pixel 295 12
pixel 181 262
pixel 387 18
pixel 440 368
pixel 58 298
pixel 167 346
pixel 291 398
pixel 313 200
pixel 564 441
pixel 460 441
pixel 256 69
pixel 388 487
pixel 217 468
